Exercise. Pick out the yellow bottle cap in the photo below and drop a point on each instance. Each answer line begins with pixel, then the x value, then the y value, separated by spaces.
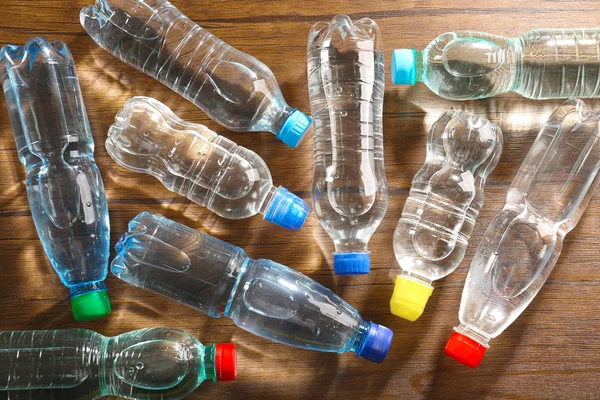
pixel 409 298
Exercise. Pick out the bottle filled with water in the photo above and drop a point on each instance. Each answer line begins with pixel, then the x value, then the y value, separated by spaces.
pixel 540 64
pixel 195 162
pixel 155 363
pixel 522 244
pixel 346 83
pixel 441 209
pixel 265 298
pixel 64 187
pixel 231 87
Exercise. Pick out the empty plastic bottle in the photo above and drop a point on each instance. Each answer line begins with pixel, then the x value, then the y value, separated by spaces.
pixel 346 82
pixel 231 87
pixel 265 298
pixel 441 209
pixel 522 244
pixel 195 162
pixel 155 363
pixel 64 187
pixel 540 64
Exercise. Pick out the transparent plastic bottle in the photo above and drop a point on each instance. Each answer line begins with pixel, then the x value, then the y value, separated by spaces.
pixel 443 204
pixel 153 363
pixel 346 82
pixel 231 87
pixel 64 187
pixel 540 64
pixel 522 244
pixel 267 299
pixel 195 162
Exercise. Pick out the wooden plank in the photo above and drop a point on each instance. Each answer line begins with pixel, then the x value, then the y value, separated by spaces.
pixel 551 352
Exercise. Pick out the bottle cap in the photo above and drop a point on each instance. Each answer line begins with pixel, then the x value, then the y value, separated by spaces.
pixel 409 298
pixel 294 128
pixel 465 350
pixel 90 305
pixel 226 362
pixel 351 263
pixel 287 210
pixel 404 71
pixel 377 343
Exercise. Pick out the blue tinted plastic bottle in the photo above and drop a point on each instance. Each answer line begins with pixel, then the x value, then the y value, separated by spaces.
pixel 64 187
pixel 231 87
pixel 261 296
pixel 155 363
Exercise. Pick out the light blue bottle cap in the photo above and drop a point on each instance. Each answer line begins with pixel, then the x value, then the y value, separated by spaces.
pixel 404 71
pixel 377 343
pixel 351 263
pixel 294 128
pixel 287 210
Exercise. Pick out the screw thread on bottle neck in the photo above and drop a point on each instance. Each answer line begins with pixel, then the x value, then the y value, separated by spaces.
pixel 208 367
pixel 362 332
pixel 265 205
pixel 418 66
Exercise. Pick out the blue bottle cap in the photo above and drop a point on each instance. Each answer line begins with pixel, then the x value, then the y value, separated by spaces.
pixel 377 343
pixel 404 71
pixel 287 210
pixel 351 263
pixel 294 128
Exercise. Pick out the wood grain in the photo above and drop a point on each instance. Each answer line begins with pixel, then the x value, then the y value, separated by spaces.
pixel 551 352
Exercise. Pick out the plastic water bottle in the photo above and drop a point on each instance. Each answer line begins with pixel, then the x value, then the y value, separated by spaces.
pixel 521 246
pixel 195 162
pixel 233 88
pixel 540 64
pixel 445 198
pixel 148 364
pixel 64 187
pixel 265 298
pixel 346 82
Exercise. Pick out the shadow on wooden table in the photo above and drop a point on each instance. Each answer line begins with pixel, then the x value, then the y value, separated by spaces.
pixel 448 375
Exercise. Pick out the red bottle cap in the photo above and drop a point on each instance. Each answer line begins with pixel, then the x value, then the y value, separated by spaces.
pixel 465 350
pixel 226 362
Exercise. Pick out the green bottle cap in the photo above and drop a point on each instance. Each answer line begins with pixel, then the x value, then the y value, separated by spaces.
pixel 91 305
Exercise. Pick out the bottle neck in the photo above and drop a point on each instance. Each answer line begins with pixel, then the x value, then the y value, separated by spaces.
pixel 208 367
pixel 476 335
pixel 360 336
pixel 419 66
pixel 87 288
pixel 267 201
pixel 351 246
pixel 417 278
pixel 279 115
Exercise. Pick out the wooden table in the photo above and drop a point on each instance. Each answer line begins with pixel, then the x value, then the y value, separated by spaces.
pixel 552 351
